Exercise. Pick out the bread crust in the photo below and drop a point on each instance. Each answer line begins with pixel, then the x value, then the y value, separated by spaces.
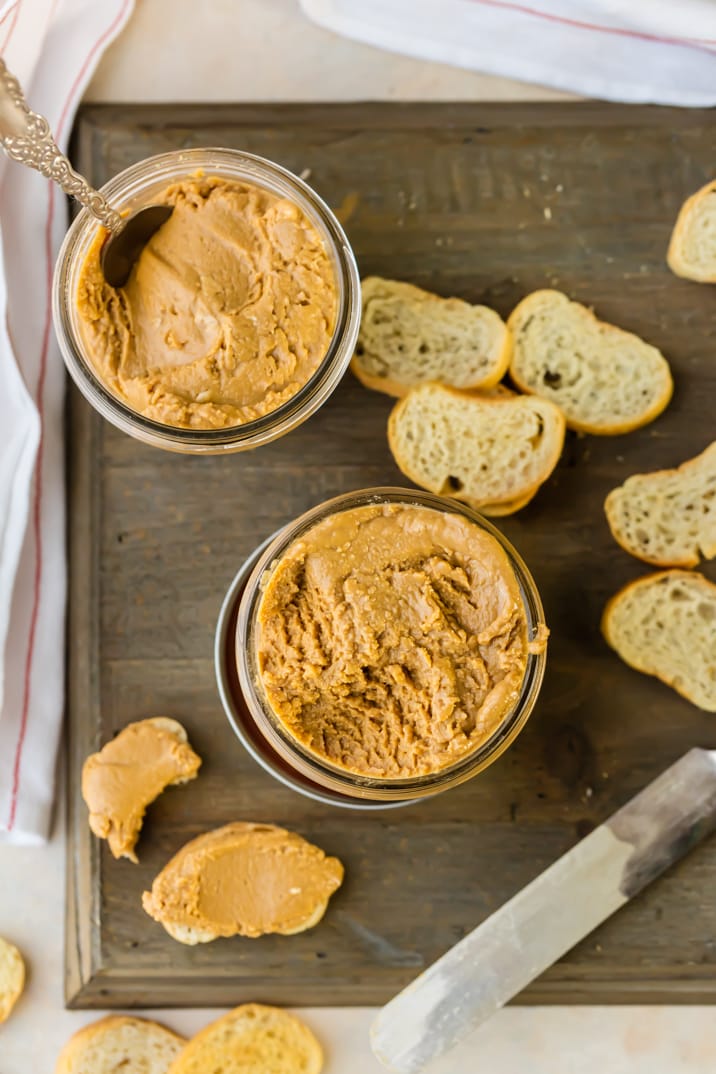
pixel 675 253
pixel 590 319
pixel 610 510
pixel 508 507
pixel 689 577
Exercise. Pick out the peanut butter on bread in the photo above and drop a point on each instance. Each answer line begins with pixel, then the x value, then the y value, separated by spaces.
pixel 128 773
pixel 243 879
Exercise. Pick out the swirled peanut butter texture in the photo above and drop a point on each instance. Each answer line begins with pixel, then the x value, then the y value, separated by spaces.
pixel 227 314
pixel 243 879
pixel 129 772
pixel 392 640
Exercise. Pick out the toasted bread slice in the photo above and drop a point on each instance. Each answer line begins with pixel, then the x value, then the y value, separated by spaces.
pixel 252 1039
pixel 668 517
pixel 490 452
pixel 12 977
pixel 665 625
pixel 264 879
pixel 692 250
pixel 129 772
pixel 409 336
pixel 510 507
pixel 120 1042
pixel 605 380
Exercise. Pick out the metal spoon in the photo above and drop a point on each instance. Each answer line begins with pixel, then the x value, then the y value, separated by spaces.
pixel 25 136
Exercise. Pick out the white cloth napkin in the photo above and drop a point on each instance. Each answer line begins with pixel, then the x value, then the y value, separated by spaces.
pixel 52 46
pixel 659 51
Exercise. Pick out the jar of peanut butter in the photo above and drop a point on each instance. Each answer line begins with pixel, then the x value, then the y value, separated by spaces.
pixel 388 644
pixel 238 319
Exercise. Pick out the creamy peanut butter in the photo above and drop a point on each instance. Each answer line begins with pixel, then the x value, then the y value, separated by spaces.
pixel 227 314
pixel 128 773
pixel 392 639
pixel 243 879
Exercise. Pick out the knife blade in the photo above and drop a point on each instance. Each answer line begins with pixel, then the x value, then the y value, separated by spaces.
pixel 547 918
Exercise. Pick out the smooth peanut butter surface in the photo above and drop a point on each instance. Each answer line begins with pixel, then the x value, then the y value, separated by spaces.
pixel 392 639
pixel 243 879
pixel 128 773
pixel 227 314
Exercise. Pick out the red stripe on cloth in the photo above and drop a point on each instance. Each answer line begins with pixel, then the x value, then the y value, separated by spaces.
pixel 36 515
pixel 14 11
pixel 35 521
pixel 507 5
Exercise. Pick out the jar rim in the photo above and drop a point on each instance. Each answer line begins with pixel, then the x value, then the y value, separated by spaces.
pixel 258 171
pixel 311 764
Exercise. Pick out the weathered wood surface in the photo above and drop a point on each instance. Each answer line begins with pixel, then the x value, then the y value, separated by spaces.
pixel 453 197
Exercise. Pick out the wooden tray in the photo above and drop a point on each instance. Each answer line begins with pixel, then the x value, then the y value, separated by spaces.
pixel 487 202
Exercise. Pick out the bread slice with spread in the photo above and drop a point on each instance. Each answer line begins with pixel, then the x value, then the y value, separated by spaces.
pixel 243 879
pixel 129 772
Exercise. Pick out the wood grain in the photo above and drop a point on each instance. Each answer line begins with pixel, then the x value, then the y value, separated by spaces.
pixel 454 198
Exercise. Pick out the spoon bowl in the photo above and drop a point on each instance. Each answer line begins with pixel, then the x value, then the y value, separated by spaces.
pixel 123 247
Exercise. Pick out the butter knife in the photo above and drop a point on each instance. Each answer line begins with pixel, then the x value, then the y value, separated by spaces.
pixel 547 918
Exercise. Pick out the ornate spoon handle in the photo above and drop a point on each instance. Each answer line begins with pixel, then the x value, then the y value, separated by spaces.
pixel 25 136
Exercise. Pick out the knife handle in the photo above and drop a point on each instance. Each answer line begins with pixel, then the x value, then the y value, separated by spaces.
pixel 669 817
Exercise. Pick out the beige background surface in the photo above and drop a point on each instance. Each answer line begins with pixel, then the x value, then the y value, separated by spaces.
pixel 242 50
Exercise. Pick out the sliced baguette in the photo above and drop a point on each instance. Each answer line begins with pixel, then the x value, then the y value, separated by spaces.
pixel 271 880
pixel 692 250
pixel 12 977
pixel 252 1039
pixel 409 336
pixel 668 517
pixel 129 772
pixel 492 453
pixel 665 625
pixel 605 380
pixel 120 1043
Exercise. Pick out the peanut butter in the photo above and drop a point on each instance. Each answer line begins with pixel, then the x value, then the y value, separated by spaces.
pixel 128 773
pixel 243 879
pixel 227 313
pixel 392 639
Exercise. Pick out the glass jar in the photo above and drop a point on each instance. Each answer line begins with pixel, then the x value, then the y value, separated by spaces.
pixel 134 188
pixel 240 718
pixel 295 758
